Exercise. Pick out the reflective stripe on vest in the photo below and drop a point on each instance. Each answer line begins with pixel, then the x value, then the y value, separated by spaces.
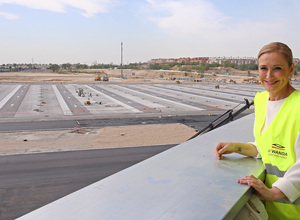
pixel 273 170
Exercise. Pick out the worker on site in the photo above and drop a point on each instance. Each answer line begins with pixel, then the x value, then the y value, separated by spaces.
pixel 276 132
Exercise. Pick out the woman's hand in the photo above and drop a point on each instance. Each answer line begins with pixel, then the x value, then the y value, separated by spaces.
pixel 261 190
pixel 223 148
pixel 229 147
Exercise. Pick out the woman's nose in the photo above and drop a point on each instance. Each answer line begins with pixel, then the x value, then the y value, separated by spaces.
pixel 269 73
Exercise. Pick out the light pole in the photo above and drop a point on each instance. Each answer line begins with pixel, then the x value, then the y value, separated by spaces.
pixel 121 60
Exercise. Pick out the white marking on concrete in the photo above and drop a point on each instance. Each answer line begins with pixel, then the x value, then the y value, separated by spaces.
pixel 5 100
pixel 196 96
pixel 116 101
pixel 165 100
pixel 135 98
pixel 63 105
pixel 209 93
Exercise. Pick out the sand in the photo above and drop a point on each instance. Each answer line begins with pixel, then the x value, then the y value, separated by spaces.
pixel 133 76
pixel 27 142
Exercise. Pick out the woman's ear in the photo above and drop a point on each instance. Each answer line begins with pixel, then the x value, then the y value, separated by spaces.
pixel 291 70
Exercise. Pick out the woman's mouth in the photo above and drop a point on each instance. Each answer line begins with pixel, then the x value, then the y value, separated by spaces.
pixel 270 82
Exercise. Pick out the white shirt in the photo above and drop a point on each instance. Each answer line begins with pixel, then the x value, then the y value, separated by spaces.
pixel 290 183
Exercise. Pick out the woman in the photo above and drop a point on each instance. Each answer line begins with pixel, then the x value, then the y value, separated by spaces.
pixel 276 132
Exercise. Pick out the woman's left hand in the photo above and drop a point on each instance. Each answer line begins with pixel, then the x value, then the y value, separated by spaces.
pixel 261 190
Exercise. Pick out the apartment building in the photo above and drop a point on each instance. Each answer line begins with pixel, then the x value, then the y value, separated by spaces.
pixel 179 60
pixel 232 60
pixel 219 60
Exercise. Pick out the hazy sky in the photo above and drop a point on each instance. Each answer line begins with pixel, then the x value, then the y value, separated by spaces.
pixel 85 31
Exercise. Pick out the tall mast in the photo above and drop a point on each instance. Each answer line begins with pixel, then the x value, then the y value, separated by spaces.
pixel 122 60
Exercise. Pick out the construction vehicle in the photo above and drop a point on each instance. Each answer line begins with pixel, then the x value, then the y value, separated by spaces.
pixel 102 76
pixel 87 102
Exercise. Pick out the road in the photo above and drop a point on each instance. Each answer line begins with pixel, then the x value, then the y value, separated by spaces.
pixel 28 182
pixel 194 121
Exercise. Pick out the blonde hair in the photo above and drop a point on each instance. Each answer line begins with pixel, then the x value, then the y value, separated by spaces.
pixel 278 47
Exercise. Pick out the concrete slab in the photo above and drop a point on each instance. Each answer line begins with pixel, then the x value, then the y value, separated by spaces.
pixel 61 100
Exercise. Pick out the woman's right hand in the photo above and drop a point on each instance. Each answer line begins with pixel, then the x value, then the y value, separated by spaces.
pixel 246 149
pixel 223 148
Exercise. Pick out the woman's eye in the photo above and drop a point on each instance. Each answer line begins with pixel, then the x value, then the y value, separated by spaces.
pixel 263 68
pixel 277 68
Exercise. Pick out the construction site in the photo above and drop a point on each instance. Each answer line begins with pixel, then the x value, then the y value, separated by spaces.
pixel 78 119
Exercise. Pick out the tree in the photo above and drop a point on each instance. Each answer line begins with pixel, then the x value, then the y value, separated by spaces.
pixel 66 66
pixel 202 69
pixel 54 67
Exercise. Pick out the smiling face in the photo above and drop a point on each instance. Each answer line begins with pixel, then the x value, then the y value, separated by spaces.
pixel 274 73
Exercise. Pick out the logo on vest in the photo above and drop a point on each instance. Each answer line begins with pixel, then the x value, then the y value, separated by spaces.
pixel 277 150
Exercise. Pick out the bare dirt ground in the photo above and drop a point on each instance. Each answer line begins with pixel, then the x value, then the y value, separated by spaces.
pixel 133 76
pixel 83 139
pixel 86 76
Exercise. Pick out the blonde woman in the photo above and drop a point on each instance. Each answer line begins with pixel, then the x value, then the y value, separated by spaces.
pixel 276 132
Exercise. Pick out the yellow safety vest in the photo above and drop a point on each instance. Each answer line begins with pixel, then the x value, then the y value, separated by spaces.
pixel 276 146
